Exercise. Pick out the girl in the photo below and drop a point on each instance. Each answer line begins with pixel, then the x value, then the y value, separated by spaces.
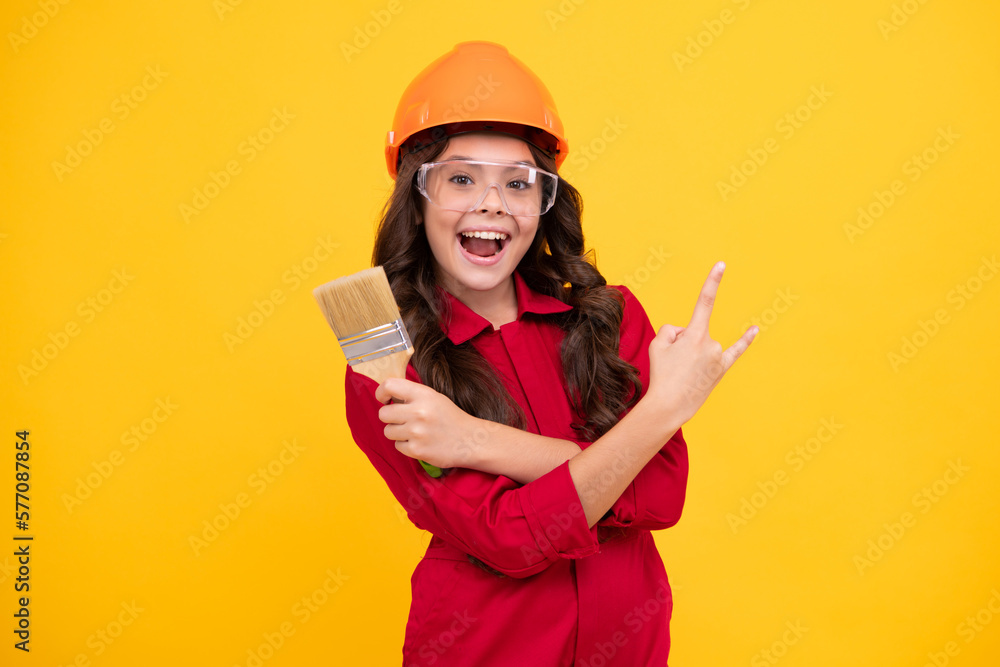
pixel 543 391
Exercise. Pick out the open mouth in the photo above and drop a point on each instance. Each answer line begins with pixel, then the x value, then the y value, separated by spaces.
pixel 485 245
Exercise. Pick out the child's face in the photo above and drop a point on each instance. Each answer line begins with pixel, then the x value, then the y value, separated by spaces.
pixel 459 270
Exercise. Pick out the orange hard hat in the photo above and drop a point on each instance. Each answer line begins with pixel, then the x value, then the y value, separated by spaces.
pixel 475 86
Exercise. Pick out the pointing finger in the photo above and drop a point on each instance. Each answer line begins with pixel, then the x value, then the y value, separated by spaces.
pixel 706 299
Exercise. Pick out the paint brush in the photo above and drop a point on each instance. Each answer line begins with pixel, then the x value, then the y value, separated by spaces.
pixel 362 312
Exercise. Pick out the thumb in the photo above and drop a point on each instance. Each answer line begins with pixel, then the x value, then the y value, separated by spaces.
pixel 383 395
pixel 669 333
pixel 400 389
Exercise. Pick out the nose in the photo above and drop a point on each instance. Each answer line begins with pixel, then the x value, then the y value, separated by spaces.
pixel 492 202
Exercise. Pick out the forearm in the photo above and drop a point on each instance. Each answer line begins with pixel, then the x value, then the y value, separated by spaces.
pixel 600 473
pixel 519 455
pixel 605 469
pixel 519 530
pixel 654 499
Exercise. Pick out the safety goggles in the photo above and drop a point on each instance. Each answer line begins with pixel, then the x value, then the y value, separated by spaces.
pixel 462 185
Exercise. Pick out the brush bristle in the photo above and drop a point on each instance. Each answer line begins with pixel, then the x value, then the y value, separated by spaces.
pixel 358 302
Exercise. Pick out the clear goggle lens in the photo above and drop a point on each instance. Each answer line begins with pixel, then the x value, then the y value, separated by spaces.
pixel 463 185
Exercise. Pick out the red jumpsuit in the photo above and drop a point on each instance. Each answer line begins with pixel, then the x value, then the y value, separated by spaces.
pixel 513 575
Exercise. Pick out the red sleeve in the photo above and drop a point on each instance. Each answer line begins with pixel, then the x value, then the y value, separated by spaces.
pixel 518 530
pixel 655 498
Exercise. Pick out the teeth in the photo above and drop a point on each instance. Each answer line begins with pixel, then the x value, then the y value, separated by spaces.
pixel 486 235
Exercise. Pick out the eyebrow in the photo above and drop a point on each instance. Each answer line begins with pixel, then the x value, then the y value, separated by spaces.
pixel 523 163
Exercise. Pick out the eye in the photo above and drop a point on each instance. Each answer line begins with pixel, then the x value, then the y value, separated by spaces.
pixel 461 179
pixel 519 185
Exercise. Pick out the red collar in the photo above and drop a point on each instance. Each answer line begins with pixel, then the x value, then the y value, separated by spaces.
pixel 465 323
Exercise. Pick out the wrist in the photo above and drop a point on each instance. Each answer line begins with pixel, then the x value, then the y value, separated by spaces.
pixel 656 415
pixel 499 449
pixel 477 443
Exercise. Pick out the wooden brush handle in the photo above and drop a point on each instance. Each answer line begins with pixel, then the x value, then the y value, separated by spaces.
pixel 392 366
pixel 389 366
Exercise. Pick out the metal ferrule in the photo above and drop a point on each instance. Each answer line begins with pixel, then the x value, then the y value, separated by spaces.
pixel 375 343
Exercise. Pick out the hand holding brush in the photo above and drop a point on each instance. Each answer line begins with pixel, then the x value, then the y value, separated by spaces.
pixel 362 312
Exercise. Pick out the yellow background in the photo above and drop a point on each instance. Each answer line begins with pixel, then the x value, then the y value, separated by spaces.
pixel 662 133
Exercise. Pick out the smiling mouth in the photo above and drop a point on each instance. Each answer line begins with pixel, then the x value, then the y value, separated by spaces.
pixel 483 244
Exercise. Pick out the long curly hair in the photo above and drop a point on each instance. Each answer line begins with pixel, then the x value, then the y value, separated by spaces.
pixel 600 384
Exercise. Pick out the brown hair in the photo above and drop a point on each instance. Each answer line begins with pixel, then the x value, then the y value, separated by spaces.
pixel 600 384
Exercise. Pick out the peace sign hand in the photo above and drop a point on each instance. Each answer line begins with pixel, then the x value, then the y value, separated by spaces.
pixel 685 363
